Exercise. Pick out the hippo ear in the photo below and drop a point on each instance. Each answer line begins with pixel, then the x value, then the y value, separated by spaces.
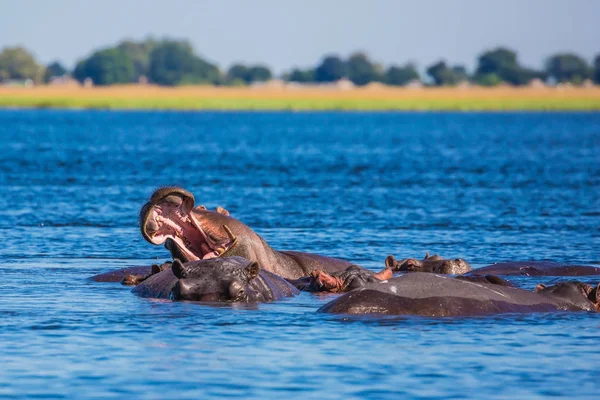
pixel 222 211
pixel 390 262
pixel 539 287
pixel 426 255
pixel 201 207
pixel 252 270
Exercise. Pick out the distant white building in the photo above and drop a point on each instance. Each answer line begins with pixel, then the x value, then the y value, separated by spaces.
pixel 344 84
pixel 536 83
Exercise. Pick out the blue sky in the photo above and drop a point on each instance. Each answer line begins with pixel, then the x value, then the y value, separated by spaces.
pixel 298 33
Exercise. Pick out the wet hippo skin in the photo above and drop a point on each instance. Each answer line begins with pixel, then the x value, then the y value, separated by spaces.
pixel 435 295
pixel 222 279
pixel 435 264
pixel 536 268
pixel 192 233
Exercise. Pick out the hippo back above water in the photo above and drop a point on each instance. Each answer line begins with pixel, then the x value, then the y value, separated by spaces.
pixel 435 295
pixel 536 268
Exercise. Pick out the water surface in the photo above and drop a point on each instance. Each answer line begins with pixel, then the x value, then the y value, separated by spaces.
pixel 485 187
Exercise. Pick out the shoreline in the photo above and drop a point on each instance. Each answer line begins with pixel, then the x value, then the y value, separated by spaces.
pixel 208 98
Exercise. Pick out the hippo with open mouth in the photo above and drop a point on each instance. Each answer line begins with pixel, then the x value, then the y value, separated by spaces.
pixel 435 295
pixel 222 279
pixel 195 233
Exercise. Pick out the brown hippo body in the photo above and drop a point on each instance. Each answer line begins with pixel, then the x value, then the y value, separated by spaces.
pixel 223 279
pixel 536 268
pixel 351 278
pixel 194 233
pixel 435 264
pixel 435 295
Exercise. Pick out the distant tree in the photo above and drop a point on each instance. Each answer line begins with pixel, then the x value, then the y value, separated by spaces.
pixel 567 68
pixel 174 63
pixel 18 63
pixel 443 75
pixel 240 73
pixel 302 75
pixel 490 79
pixel 597 69
pixel 495 61
pixel 106 67
pixel 237 73
pixel 54 69
pixel 400 76
pixel 331 69
pixel 259 73
pixel 519 76
pixel 139 54
pixel 360 70
pixel 460 73
pixel 501 65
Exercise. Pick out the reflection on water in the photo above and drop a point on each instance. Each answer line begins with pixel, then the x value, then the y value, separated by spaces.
pixel 485 187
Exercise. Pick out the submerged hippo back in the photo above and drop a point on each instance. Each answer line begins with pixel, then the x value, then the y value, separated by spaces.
pixel 435 295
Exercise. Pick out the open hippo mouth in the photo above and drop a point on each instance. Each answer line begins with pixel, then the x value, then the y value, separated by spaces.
pixel 171 218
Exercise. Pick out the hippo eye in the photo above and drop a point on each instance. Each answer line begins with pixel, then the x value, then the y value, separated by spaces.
pixel 236 289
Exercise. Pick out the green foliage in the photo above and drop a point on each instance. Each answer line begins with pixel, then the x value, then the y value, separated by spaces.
pixel 237 72
pixel 139 54
pixel 331 69
pixel 106 67
pixel 54 69
pixel 597 69
pixel 567 68
pixel 259 73
pixel 17 63
pixel 503 63
pixel 443 75
pixel 400 76
pixel 360 70
pixel 490 79
pixel 495 61
pixel 247 75
pixel 302 76
pixel 174 63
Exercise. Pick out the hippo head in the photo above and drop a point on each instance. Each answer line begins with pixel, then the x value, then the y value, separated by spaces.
pixel 192 232
pixel 226 279
pixel 406 265
pixel 577 293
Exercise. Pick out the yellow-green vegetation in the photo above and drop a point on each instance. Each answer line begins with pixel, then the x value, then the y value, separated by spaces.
pixel 147 97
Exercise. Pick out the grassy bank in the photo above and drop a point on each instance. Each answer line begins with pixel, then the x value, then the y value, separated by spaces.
pixel 374 98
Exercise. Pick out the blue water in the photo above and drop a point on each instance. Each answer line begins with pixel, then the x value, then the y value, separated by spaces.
pixel 485 187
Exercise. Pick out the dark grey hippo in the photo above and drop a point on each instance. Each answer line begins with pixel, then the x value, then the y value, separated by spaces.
pixel 222 279
pixel 435 295
pixel 435 264
pixel 536 268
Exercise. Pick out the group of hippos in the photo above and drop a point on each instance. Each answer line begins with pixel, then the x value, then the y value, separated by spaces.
pixel 217 258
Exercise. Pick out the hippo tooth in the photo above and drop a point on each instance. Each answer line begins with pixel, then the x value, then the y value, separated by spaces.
pixel 229 233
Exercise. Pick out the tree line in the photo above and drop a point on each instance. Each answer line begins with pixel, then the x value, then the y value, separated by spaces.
pixel 174 62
